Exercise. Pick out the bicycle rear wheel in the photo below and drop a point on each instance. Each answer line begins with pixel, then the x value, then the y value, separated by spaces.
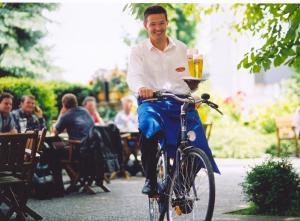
pixel 191 195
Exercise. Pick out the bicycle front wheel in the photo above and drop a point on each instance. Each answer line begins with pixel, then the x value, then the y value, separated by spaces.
pixel 191 195
pixel 156 210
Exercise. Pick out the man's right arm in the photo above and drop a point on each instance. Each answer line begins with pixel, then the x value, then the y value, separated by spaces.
pixel 135 78
pixel 60 125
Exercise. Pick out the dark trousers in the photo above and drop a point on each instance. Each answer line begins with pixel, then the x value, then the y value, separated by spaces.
pixel 149 149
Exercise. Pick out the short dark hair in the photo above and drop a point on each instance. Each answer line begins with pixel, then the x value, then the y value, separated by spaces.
pixel 23 98
pixel 155 9
pixel 69 101
pixel 87 99
pixel 4 95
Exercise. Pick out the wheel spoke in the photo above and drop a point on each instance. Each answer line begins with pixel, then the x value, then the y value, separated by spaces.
pixel 191 192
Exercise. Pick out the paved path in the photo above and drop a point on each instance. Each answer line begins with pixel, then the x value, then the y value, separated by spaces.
pixel 125 203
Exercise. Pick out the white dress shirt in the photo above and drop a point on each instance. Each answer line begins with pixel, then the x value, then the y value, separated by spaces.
pixel 159 70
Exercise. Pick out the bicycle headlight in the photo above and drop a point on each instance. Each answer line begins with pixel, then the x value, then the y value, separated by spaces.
pixel 191 135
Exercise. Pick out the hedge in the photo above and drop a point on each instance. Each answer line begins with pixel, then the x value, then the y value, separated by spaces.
pixel 45 97
pixel 48 94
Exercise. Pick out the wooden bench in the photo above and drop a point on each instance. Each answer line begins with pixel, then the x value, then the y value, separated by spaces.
pixel 285 130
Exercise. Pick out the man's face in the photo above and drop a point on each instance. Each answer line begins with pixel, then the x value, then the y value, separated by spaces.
pixel 156 26
pixel 90 106
pixel 28 105
pixel 6 105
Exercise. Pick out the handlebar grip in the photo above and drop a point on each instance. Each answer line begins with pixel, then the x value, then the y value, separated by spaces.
pixel 157 94
pixel 213 105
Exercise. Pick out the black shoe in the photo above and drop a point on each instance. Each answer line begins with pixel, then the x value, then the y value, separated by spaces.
pixel 149 187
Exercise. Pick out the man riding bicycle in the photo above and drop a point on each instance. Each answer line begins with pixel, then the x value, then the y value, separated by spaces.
pixel 158 64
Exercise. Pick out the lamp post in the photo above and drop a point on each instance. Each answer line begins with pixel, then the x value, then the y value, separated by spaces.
pixel 103 75
pixel 106 90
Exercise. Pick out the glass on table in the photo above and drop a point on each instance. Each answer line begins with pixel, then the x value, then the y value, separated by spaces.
pixel 23 124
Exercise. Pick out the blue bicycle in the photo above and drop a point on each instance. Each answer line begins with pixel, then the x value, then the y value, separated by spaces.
pixel 186 184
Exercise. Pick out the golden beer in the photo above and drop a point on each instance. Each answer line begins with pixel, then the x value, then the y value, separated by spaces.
pixel 198 66
pixel 190 58
pixel 191 66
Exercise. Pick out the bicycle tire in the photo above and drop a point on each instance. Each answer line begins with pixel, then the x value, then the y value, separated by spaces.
pixel 184 202
pixel 154 204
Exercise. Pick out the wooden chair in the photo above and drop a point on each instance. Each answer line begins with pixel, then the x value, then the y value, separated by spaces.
pixel 13 181
pixel 71 165
pixel 285 130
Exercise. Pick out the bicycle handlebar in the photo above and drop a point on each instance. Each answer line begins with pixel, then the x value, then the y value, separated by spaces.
pixel 189 99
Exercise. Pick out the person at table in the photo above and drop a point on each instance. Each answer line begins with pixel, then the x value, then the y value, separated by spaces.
pixel 28 116
pixel 7 124
pixel 76 120
pixel 125 120
pixel 89 103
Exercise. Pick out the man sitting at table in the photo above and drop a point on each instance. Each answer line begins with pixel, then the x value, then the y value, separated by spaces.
pixel 76 120
pixel 7 124
pixel 125 120
pixel 29 111
pixel 89 103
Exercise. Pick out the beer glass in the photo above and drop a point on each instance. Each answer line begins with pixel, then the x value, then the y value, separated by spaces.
pixel 190 57
pixel 23 124
pixel 198 65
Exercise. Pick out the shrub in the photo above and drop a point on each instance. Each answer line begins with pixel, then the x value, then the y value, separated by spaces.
pixel 45 98
pixel 231 139
pixel 287 149
pixel 273 187
pixel 61 88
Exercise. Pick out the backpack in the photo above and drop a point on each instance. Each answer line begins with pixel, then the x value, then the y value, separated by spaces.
pixel 96 156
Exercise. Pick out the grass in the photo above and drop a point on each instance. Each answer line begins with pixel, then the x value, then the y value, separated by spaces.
pixel 251 210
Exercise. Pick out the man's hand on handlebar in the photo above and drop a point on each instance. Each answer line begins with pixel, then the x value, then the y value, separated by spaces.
pixel 146 93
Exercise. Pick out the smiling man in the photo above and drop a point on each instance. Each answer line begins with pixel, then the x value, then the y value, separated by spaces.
pixel 29 111
pixel 158 64
pixel 7 124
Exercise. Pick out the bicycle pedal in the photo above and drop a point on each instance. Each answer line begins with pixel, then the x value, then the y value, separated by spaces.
pixel 178 210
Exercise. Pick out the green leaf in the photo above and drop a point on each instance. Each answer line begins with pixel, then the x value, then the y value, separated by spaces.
pixel 278 61
pixel 256 69
pixel 239 65
pixel 252 57
pixel 266 64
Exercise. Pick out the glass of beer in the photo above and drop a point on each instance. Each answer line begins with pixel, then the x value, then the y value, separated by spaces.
pixel 198 65
pixel 190 57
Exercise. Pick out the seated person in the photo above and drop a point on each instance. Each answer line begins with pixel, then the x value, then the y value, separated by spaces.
pixel 30 112
pixel 7 124
pixel 89 103
pixel 76 120
pixel 125 120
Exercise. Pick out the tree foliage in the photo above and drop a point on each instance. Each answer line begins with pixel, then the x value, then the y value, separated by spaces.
pixel 22 27
pixel 279 26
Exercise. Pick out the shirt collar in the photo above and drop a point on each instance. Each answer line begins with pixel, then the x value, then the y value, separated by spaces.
pixel 171 44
